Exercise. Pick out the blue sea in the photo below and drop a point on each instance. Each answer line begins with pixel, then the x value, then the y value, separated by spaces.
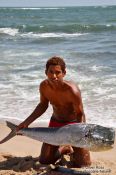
pixel 84 36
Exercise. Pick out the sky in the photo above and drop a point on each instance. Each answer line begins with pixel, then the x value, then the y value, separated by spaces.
pixel 54 3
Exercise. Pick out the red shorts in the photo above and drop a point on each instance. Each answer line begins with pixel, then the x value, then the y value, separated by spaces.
pixel 55 123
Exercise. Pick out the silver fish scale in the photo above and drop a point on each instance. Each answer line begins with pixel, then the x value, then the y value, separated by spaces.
pixel 69 134
pixel 78 135
pixel 73 135
pixel 46 135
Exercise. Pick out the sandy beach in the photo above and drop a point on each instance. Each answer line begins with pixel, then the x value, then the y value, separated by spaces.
pixel 19 156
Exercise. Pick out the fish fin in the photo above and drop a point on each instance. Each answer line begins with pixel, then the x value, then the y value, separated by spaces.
pixel 11 134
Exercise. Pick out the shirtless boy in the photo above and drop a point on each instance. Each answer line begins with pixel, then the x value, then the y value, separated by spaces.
pixel 65 98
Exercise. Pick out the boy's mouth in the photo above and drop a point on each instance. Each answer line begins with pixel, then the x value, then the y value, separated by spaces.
pixel 54 80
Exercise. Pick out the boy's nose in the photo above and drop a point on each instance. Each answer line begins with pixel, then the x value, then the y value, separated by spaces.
pixel 54 76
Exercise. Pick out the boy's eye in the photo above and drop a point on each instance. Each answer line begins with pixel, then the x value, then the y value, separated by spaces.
pixel 57 72
pixel 51 72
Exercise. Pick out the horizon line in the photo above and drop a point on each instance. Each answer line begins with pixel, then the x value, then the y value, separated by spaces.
pixel 103 5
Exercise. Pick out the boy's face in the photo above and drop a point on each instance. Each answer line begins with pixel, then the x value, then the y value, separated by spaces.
pixel 55 73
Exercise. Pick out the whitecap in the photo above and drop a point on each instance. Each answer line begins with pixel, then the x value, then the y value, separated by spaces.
pixel 9 31
pixel 38 8
pixel 108 25
pixel 98 68
pixel 50 35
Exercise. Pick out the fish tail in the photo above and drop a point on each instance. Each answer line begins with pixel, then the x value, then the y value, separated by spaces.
pixel 11 125
pixel 11 134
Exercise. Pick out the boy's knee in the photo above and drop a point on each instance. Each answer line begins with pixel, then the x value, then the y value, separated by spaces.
pixel 48 154
pixel 81 158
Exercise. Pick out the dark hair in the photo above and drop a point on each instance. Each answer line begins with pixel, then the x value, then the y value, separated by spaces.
pixel 56 60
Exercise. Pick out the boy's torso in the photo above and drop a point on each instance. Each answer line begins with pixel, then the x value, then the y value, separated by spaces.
pixel 61 100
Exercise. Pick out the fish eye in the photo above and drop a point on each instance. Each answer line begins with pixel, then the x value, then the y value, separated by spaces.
pixel 88 134
pixel 103 140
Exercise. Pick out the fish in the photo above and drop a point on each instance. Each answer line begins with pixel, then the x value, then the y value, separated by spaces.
pixel 93 137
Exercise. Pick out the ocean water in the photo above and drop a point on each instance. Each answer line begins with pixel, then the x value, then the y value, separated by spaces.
pixel 84 36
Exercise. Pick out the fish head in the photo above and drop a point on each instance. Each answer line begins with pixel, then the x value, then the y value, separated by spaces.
pixel 100 138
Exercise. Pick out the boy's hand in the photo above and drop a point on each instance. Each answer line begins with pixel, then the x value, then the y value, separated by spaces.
pixel 21 126
pixel 66 149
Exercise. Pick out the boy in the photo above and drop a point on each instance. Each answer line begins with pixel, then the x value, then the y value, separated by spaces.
pixel 65 98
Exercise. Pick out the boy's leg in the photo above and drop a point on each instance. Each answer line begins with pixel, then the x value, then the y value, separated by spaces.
pixel 49 154
pixel 80 157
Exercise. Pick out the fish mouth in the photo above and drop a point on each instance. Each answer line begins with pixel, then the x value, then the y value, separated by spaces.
pixel 104 142
pixel 109 142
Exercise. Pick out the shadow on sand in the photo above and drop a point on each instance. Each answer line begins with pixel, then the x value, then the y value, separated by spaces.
pixel 22 164
pixel 18 163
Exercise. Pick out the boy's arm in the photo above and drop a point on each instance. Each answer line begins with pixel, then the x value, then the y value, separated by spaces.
pixel 78 106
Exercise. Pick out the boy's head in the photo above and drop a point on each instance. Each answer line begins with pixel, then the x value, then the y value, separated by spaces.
pixel 55 69
pixel 56 61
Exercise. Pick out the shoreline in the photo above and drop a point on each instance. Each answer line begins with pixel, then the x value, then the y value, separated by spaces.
pixel 21 148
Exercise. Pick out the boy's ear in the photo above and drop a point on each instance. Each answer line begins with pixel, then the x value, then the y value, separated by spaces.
pixel 46 72
pixel 64 72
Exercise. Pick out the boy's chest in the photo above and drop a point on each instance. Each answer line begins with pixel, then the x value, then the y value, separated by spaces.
pixel 58 97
